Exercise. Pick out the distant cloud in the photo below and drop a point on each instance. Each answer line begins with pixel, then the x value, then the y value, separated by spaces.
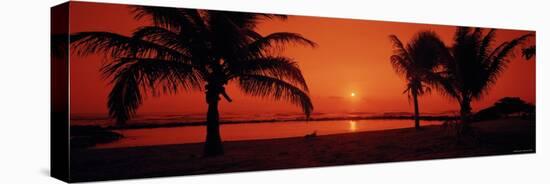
pixel 336 97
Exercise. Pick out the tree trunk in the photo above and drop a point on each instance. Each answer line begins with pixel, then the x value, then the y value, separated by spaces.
pixel 465 110
pixel 416 111
pixel 213 144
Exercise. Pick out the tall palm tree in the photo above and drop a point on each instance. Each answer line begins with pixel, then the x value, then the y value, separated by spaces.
pixel 475 65
pixel 417 62
pixel 200 50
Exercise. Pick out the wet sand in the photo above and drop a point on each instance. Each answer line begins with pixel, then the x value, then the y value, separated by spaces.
pixel 510 136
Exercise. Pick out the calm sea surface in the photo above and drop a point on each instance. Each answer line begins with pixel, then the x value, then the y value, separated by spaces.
pixel 254 131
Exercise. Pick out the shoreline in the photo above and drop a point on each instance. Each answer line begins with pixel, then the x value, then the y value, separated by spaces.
pixel 261 139
pixel 203 123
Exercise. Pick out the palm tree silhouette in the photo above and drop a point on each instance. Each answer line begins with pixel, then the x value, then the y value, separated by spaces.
pixel 416 62
pixel 474 66
pixel 189 49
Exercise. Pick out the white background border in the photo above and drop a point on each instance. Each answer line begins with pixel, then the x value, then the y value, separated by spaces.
pixel 25 99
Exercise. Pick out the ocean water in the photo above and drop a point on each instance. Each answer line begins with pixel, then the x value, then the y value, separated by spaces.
pixel 186 118
pixel 244 126
pixel 253 131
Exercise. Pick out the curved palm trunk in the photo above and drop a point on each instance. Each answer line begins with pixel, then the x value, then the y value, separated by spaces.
pixel 213 144
pixel 416 111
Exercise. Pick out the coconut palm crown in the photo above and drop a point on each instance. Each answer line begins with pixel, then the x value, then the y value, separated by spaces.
pixel 475 65
pixel 417 62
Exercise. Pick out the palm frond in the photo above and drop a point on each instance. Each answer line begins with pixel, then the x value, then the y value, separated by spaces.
pixel 261 45
pixel 273 66
pixel 125 96
pixel 85 43
pixel 401 59
pixel 506 52
pixel 272 16
pixel 444 84
pixel 248 20
pixel 265 86
pixel 399 48
pixel 164 37
pixel 529 52
pixel 427 51
pixel 400 65
pixel 173 19
pixel 485 45
pixel 499 60
pixel 477 34
pixel 461 34
pixel 133 76
pixel 169 75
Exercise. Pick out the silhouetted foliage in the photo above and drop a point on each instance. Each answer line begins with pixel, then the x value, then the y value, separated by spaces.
pixel 187 49
pixel 417 62
pixel 474 65
pixel 506 107
pixel 529 52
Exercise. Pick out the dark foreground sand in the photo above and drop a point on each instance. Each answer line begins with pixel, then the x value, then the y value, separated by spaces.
pixel 491 137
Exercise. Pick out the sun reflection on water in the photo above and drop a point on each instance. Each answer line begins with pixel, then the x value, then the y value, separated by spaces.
pixel 352 125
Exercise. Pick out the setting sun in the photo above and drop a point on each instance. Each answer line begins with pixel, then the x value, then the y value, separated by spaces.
pixel 352 94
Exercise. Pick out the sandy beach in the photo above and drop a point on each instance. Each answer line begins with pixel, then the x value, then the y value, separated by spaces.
pixel 509 136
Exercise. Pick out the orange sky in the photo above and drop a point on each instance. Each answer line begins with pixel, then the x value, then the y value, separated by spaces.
pixel 352 56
